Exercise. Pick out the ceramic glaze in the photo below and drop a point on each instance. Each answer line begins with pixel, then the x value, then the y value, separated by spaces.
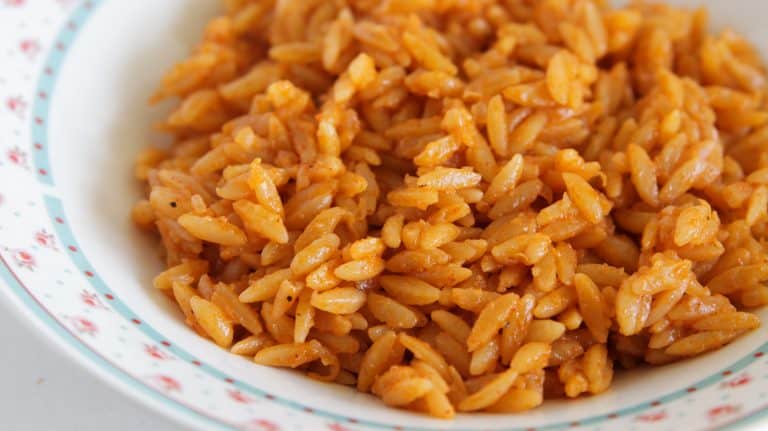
pixel 74 81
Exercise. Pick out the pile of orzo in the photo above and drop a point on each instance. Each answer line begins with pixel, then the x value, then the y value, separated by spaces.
pixel 463 204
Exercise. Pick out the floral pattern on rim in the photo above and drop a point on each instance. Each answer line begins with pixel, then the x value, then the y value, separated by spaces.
pixel 90 328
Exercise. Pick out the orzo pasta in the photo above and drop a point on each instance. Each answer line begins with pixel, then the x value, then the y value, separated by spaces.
pixel 463 205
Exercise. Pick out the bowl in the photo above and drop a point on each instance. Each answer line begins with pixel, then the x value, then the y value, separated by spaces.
pixel 74 83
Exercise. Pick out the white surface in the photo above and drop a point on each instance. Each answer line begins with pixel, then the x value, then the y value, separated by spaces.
pixel 39 388
pixel 42 389
pixel 128 270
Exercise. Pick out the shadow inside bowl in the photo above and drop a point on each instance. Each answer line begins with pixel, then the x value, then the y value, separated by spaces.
pixel 100 121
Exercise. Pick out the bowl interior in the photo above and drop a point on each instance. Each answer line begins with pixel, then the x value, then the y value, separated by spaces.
pixel 99 121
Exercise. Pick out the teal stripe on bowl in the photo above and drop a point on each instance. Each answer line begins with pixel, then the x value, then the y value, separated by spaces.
pixel 40 118
pixel 46 86
pixel 56 212
pixel 65 335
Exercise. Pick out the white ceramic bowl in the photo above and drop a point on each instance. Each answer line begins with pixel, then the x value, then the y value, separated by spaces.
pixel 74 78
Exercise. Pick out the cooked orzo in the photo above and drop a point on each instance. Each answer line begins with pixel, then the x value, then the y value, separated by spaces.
pixel 463 204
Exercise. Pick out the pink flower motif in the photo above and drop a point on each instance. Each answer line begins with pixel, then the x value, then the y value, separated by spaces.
pixel 736 382
pixel 17 105
pixel 724 410
pixel 338 427
pixel 30 47
pixel 45 239
pixel 168 384
pixel 156 352
pixel 652 416
pixel 91 299
pixel 13 3
pixel 260 425
pixel 17 157
pixel 24 259
pixel 239 397
pixel 83 326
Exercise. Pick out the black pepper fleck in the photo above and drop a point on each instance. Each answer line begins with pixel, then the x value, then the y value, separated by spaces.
pixel 289 297
pixel 173 204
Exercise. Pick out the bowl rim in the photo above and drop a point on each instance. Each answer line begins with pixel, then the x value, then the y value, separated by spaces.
pixel 88 357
